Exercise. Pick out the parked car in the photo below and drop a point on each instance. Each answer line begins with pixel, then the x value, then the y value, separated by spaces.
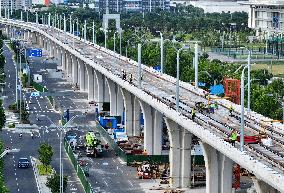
pixel 23 163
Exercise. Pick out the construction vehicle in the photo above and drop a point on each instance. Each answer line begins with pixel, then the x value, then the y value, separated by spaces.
pixel 93 145
pixel 144 172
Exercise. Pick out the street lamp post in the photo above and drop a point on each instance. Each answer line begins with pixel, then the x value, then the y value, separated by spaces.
pixel 184 47
pixel 196 64
pixel 85 31
pixel 114 37
pixel 70 26
pixel 242 108
pixel 139 65
pixel 120 40
pixel 162 52
pixel 61 129
pixel 249 69
pixel 48 19
pixel 126 49
pixel 94 34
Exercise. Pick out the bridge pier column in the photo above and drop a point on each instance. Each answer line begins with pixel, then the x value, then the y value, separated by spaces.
pixel 95 86
pixel 175 153
pixel 63 60
pixel 116 99
pixel 86 78
pixel 69 67
pixel 186 141
pixel 90 73
pixel 100 89
pixel 82 76
pixel 128 116
pixel 148 115
pixel 74 70
pixel 136 116
pixel 219 170
pixel 157 133
pixel 262 187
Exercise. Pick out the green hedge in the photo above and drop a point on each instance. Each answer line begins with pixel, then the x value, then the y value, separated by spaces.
pixel 81 175
pixel 41 88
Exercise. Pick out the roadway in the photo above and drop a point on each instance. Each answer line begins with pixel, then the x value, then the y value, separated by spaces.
pixel 107 173
pixel 22 180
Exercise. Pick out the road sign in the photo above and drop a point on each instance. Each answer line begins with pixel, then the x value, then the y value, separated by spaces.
pixel 35 53
pixel 76 33
pixel 158 68
pixel 201 84
pixel 35 94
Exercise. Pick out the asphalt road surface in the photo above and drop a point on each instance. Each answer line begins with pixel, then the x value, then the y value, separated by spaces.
pixel 22 180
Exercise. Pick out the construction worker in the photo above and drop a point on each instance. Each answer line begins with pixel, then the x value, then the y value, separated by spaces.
pixel 233 137
pixel 130 79
pixel 231 110
pixel 193 113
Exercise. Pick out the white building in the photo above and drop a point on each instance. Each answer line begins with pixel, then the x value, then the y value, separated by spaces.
pixel 266 15
pixel 218 6
pixel 16 4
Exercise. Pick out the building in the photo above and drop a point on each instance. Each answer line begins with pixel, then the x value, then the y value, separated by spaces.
pixel 118 6
pixel 16 4
pixel 219 6
pixel 266 15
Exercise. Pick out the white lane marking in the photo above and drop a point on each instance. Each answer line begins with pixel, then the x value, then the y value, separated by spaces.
pixel 130 183
pixel 120 170
pixel 106 183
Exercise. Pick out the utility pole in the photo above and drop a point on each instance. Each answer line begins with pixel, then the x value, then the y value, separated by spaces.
pixel 139 65
pixel 196 65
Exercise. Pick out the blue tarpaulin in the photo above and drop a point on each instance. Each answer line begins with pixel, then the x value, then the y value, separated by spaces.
pixel 217 89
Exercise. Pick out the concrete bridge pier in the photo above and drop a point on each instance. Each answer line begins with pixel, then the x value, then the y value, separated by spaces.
pixel 100 89
pixel 219 170
pixel 132 113
pixel 180 155
pixel 152 129
pixel 90 77
pixel 75 69
pixel 82 75
pixel 63 59
pixel 262 187
pixel 116 98
pixel 69 66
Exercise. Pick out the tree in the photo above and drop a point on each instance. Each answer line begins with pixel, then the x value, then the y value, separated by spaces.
pixel 3 188
pixel 45 154
pixel 2 115
pixel 53 183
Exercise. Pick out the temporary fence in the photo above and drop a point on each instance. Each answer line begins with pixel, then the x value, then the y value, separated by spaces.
pixel 80 172
pixel 129 158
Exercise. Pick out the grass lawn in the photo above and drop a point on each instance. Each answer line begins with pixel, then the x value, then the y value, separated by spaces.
pixel 277 69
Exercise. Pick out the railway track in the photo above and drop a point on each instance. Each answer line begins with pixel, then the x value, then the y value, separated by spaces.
pixel 272 155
